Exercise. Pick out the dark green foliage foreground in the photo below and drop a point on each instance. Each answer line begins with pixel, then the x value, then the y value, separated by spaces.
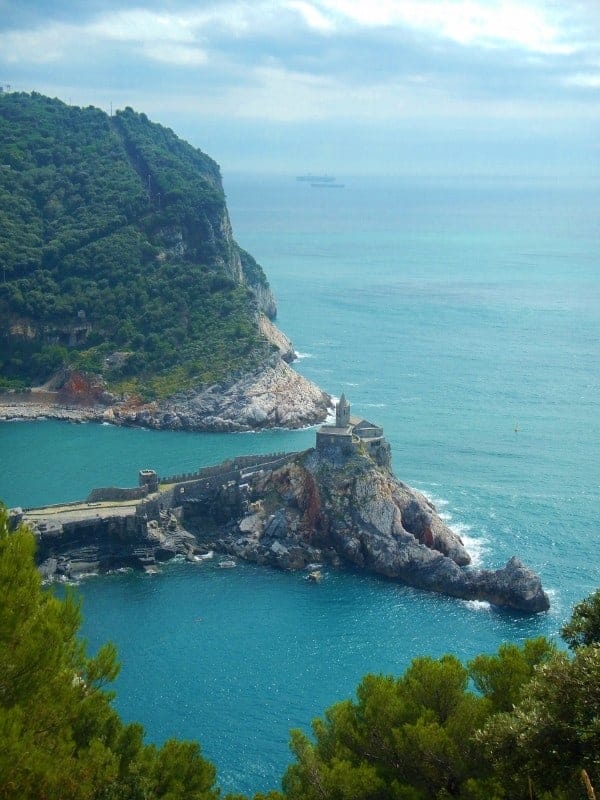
pixel 426 735
pixel 116 224
pixel 59 735
pixel 519 725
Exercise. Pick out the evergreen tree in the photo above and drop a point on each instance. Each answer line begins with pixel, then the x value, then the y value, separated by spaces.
pixel 59 735
pixel 531 730
pixel 409 738
pixel 553 733
pixel 501 677
pixel 584 626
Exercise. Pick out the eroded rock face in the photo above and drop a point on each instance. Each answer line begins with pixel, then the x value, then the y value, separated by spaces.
pixel 69 548
pixel 288 512
pixel 276 337
pixel 272 396
pixel 360 514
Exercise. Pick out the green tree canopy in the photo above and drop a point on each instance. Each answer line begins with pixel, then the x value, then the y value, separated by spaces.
pixel 584 626
pixel 59 735
pixel 529 730
pixel 114 237
pixel 554 732
pixel 408 738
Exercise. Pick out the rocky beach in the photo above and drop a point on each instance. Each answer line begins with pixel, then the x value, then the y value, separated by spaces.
pixel 274 395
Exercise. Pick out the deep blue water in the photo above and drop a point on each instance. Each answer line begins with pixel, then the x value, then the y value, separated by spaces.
pixel 451 313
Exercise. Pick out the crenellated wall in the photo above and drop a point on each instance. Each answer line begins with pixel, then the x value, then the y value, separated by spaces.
pixel 226 467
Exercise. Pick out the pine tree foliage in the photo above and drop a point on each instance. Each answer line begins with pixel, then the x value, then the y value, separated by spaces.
pixel 584 626
pixel 521 724
pixel 554 732
pixel 502 677
pixel 59 735
pixel 408 738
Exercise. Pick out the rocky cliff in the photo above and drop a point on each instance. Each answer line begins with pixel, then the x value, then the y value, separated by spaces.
pixel 271 396
pixel 357 513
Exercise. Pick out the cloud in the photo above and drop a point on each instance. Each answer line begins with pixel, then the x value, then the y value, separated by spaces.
pixel 166 38
pixel 319 63
pixel 36 46
pixel 470 23
pixel 177 55
pixel 314 18
pixel 467 22
pixel 583 80
pixel 142 25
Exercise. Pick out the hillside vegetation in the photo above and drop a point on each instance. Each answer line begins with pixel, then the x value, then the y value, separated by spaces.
pixel 116 253
pixel 517 725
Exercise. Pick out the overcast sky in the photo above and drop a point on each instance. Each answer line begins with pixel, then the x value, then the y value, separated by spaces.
pixel 344 86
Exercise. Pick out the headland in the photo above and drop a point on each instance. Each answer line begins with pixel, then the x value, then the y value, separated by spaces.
pixel 337 504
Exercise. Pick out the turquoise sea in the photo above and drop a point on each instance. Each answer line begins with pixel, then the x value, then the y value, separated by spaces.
pixel 464 316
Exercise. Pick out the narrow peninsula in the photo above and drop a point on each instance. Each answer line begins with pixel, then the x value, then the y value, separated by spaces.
pixel 337 504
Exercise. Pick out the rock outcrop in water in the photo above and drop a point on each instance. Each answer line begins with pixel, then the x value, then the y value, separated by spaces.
pixel 357 513
pixel 286 511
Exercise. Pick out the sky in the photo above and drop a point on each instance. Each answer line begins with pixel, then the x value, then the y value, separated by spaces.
pixel 386 87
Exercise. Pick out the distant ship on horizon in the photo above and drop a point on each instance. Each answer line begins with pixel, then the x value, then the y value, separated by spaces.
pixel 320 181
pixel 316 178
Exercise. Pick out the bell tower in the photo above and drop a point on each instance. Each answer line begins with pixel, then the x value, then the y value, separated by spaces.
pixel 342 413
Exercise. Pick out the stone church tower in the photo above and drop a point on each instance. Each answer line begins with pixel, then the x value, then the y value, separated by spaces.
pixel 342 413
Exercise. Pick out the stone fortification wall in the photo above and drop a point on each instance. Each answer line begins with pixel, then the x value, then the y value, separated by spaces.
pixel 72 504
pixel 224 469
pixel 327 441
pixel 368 431
pixel 193 483
pixel 271 461
pixel 113 494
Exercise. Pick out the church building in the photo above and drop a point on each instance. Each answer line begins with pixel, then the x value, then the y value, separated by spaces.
pixel 349 432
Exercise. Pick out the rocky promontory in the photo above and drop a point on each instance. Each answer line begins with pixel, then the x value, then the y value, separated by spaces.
pixel 137 290
pixel 318 507
pixel 273 395
pixel 357 513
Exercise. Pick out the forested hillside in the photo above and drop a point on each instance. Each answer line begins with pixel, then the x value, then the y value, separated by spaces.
pixel 116 253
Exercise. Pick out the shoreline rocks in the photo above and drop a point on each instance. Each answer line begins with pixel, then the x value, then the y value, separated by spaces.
pixel 274 395
pixel 358 514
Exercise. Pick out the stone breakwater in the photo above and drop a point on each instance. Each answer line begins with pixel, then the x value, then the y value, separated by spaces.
pixel 273 395
pixel 287 512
